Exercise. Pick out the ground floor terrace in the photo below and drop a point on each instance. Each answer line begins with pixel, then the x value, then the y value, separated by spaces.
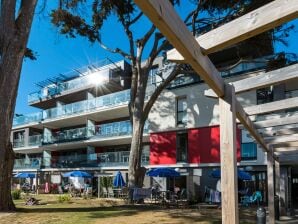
pixel 107 211
pixel 198 183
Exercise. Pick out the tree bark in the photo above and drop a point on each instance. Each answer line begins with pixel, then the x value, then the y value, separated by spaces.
pixel 14 33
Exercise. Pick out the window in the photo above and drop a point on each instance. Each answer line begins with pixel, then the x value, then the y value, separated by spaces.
pixel 152 75
pixel 181 150
pixel 249 151
pixel 264 95
pixel 181 111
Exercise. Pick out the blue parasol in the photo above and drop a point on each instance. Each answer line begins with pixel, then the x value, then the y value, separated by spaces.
pixel 77 174
pixel 163 172
pixel 24 175
pixel 118 180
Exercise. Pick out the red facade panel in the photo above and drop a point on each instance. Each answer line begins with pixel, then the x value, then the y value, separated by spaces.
pixel 203 146
pixel 163 148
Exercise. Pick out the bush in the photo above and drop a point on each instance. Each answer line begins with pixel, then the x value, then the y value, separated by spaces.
pixel 16 194
pixel 64 198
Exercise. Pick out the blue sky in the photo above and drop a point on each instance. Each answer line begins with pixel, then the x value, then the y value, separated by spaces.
pixel 57 54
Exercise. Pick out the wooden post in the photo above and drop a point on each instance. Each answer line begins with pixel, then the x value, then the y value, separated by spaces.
pixel 277 182
pixel 270 177
pixel 228 157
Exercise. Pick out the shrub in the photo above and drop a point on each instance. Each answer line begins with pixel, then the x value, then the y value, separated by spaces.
pixel 64 198
pixel 16 194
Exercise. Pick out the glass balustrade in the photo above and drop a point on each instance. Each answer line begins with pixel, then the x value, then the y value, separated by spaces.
pixel 244 67
pixel 121 128
pixel 105 101
pixel 18 143
pixel 26 119
pixel 105 159
pixel 27 163
pixel 35 140
pixel 66 136
pixel 93 78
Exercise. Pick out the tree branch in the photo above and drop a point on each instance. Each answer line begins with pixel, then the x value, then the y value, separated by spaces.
pixel 24 17
pixel 142 42
pixel 135 19
pixel 176 70
pixel 114 51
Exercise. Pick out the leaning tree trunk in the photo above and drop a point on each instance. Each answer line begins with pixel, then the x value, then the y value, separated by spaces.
pixel 14 33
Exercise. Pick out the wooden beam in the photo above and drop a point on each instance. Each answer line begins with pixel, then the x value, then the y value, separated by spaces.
pixel 286 144
pixel 270 179
pixel 228 157
pixel 282 131
pixel 274 77
pixel 272 107
pixel 286 150
pixel 277 122
pixel 244 27
pixel 164 17
pixel 281 139
pixel 249 125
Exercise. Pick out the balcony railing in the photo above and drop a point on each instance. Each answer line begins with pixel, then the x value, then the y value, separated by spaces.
pixel 34 140
pixel 106 159
pixel 66 136
pixel 90 75
pixel 31 163
pixel 18 143
pixel 107 101
pixel 121 128
pixel 27 119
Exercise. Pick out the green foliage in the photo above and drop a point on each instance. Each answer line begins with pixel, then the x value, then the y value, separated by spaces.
pixel 16 194
pixel 64 198
pixel 106 182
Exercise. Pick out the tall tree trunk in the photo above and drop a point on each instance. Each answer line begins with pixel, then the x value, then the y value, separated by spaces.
pixel 135 173
pixel 14 33
pixel 9 73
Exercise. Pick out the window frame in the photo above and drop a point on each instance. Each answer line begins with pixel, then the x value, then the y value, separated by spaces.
pixel 178 112
pixel 179 156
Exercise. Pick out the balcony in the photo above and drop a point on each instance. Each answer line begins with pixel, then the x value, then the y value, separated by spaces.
pixel 27 119
pixel 70 135
pixel 34 140
pixel 98 73
pixel 107 101
pixel 32 163
pixel 106 159
pixel 115 129
pixel 18 143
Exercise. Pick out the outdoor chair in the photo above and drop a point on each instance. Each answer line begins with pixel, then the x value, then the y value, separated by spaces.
pixel 88 192
pixel 105 193
pixel 110 192
pixel 249 200
pixel 124 193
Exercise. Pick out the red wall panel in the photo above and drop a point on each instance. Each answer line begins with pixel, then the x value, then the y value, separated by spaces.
pixel 163 148
pixel 203 146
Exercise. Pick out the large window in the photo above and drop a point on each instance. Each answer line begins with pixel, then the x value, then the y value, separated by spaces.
pixel 181 111
pixel 181 152
pixel 249 151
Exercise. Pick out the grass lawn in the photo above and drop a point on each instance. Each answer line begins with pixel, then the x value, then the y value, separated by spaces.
pixel 104 211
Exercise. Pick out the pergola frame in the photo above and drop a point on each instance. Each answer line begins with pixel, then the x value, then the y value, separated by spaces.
pixel 193 51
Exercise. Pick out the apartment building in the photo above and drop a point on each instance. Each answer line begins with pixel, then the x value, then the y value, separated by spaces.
pixel 83 124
